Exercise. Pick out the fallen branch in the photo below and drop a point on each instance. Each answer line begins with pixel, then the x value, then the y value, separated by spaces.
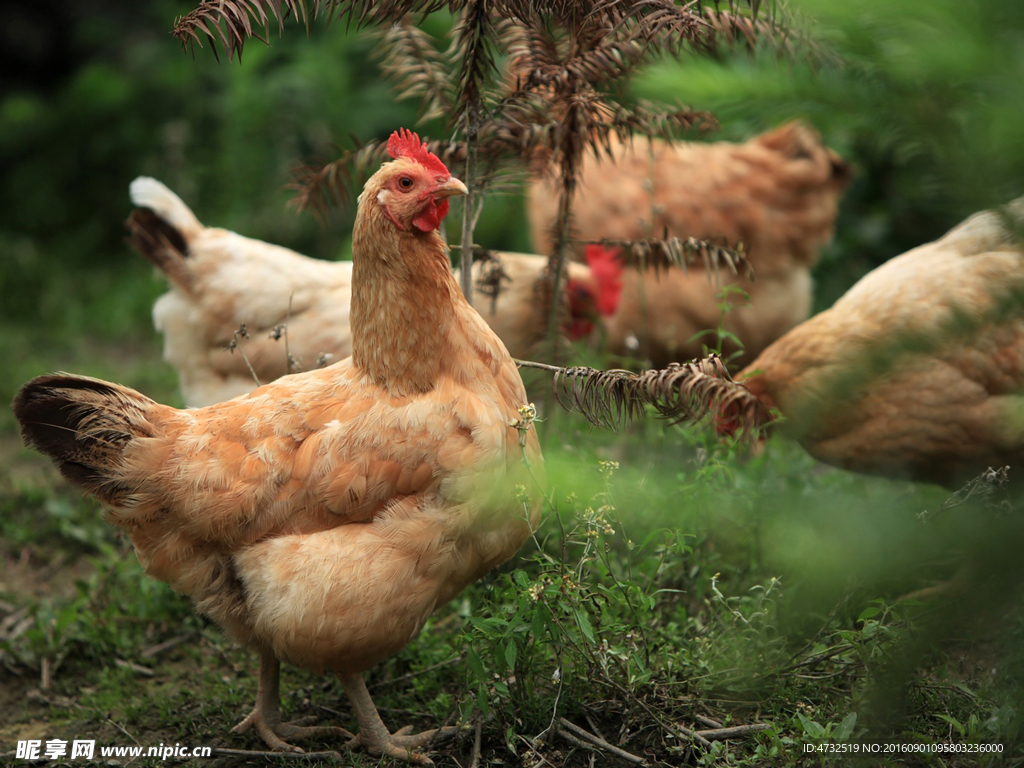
pixel 595 741
pixel 718 734
pixel 136 668
pixel 224 752
pixel 474 761
pixel 166 645
pixel 707 721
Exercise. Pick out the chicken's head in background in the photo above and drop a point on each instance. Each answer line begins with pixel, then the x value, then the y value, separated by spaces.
pixel 414 188
pixel 729 419
pixel 594 292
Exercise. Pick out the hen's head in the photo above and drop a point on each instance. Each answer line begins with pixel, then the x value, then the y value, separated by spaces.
pixel 594 290
pixel 607 269
pixel 413 189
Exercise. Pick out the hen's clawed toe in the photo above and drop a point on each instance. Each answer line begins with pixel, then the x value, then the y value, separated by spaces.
pixel 401 745
pixel 276 734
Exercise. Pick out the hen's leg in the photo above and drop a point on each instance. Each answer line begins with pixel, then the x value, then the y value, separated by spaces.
pixel 266 715
pixel 375 737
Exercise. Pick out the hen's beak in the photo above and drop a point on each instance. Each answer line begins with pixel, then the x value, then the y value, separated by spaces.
pixel 450 188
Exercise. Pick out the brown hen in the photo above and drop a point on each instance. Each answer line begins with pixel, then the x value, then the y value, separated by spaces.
pixel 777 194
pixel 918 371
pixel 322 518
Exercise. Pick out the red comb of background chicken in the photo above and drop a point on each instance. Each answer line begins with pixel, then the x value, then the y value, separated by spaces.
pixel 607 270
pixel 405 143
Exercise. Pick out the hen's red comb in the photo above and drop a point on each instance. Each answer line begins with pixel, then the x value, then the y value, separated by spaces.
pixel 607 270
pixel 405 143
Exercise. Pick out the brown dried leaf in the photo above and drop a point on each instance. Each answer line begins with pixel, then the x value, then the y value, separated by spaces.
pixel 681 253
pixel 682 392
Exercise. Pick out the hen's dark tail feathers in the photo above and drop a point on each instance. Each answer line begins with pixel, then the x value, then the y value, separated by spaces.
pixel 161 243
pixel 162 227
pixel 83 425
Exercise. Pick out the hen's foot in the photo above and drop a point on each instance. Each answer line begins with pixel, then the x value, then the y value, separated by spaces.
pixel 374 736
pixel 401 745
pixel 265 717
pixel 275 733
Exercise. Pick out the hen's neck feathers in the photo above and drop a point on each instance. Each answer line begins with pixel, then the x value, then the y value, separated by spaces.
pixel 404 301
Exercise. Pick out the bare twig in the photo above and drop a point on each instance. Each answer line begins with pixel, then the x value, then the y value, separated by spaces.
pixel 718 734
pixel 691 735
pixel 231 346
pixel 63 702
pixel 137 668
pixel 708 721
pixel 474 761
pixel 16 624
pixel 599 742
pixel 266 755
pixel 166 645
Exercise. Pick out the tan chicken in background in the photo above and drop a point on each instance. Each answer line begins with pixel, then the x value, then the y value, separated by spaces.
pixel 918 371
pixel 778 194
pixel 322 518
pixel 221 281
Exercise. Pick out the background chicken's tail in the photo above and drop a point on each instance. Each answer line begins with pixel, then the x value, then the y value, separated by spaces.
pixel 161 228
pixel 84 425
pixel 147 192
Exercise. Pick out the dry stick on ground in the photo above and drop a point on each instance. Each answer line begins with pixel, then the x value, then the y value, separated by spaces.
pixel 45 676
pixel 718 734
pixel 597 741
pixel 474 761
pixel 707 721
pixel 166 645
pixel 265 755
pixel 136 668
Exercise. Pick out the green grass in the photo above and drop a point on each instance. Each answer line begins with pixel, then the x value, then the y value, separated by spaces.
pixel 672 578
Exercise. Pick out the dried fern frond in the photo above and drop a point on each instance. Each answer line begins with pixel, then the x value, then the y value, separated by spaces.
pixel 647 119
pixel 417 69
pixel 317 187
pixel 474 46
pixel 681 253
pixel 602 64
pixel 529 46
pixel 659 22
pixel 682 393
pixel 729 30
pixel 366 12
pixel 232 22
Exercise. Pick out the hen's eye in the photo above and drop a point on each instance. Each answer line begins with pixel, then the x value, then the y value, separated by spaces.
pixel 405 182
